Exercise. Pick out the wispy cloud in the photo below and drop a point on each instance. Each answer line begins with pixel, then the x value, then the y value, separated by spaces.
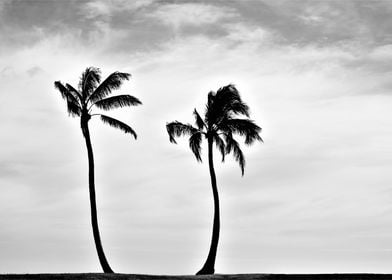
pixel 33 71
pixel 179 15
pixel 107 9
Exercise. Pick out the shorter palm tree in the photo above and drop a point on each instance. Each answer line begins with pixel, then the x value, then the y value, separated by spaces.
pixel 91 93
pixel 219 125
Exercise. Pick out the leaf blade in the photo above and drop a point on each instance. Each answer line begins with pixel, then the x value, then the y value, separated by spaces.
pixel 118 124
pixel 177 129
pixel 117 101
pixel 73 105
pixel 112 82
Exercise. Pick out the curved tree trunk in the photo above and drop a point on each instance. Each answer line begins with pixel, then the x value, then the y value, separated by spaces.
pixel 209 265
pixel 94 221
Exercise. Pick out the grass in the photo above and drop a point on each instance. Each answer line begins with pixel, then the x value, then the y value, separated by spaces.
pixel 116 276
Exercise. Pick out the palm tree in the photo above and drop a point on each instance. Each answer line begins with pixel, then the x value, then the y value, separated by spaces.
pixel 92 93
pixel 218 126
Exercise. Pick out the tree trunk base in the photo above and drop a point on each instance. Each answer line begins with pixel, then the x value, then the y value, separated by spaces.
pixel 205 271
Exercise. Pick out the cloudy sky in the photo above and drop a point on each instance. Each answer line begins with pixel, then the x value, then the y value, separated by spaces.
pixel 316 196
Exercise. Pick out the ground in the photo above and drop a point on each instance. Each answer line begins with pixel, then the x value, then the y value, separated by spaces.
pixel 101 276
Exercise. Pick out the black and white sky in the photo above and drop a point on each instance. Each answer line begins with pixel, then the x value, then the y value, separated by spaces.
pixel 316 196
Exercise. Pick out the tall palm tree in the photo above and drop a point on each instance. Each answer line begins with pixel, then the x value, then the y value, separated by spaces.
pixel 91 93
pixel 218 126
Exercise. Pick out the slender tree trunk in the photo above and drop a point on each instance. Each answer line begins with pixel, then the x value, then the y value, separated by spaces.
pixel 209 265
pixel 94 220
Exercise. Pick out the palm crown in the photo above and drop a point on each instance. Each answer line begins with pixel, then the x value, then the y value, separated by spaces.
pixel 92 93
pixel 219 125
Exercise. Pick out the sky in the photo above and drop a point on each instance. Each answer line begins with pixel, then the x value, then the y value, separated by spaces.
pixel 316 196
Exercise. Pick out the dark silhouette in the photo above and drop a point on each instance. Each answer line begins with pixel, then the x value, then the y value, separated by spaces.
pixel 91 92
pixel 253 276
pixel 219 125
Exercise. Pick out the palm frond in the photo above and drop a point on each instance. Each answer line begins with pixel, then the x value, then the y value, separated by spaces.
pixel 198 120
pixel 117 102
pixel 224 104
pixel 228 94
pixel 118 124
pixel 177 129
pixel 73 105
pixel 230 102
pixel 238 108
pixel 233 146
pixel 75 92
pixel 65 92
pixel 73 109
pixel 228 138
pixel 112 82
pixel 209 112
pixel 243 127
pixel 220 145
pixel 89 81
pixel 195 144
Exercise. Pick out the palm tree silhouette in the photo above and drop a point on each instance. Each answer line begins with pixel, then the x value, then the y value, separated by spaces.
pixel 80 102
pixel 218 126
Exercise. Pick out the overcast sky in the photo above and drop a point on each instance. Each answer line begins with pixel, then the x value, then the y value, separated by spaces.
pixel 316 196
